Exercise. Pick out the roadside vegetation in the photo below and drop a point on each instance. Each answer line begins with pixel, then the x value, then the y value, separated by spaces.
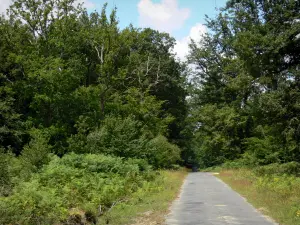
pixel 244 104
pixel 245 99
pixel 91 116
pixel 151 203
pixel 88 189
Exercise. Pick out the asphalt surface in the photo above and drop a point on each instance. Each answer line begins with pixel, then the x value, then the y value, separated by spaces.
pixel 206 200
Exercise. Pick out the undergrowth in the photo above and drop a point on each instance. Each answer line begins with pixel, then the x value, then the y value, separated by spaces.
pixel 150 203
pixel 81 189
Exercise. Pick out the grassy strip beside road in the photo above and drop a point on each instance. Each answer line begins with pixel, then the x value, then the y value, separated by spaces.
pixel 277 196
pixel 150 204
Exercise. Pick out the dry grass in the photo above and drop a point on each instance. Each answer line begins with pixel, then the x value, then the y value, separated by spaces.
pixel 149 206
pixel 274 196
pixel 150 218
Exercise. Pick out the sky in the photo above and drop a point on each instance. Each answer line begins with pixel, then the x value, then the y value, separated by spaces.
pixel 183 19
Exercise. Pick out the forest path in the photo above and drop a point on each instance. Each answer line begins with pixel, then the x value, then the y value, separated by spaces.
pixel 206 200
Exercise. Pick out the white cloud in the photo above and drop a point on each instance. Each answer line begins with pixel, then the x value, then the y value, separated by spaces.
pixel 4 5
pixel 182 46
pixel 86 4
pixel 165 16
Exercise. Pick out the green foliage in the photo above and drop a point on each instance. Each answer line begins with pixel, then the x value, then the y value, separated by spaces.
pixel 5 179
pixel 36 152
pixel 130 138
pixel 11 129
pixel 217 134
pixel 245 91
pixel 262 151
pixel 75 70
pixel 154 196
pixel 161 153
pixel 74 182
pixel 71 84
pixel 104 164
pixel 32 204
pixel 291 168
pixel 117 136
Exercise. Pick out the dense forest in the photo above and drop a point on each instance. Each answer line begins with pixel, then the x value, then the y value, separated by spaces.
pixel 86 108
pixel 89 112
pixel 245 101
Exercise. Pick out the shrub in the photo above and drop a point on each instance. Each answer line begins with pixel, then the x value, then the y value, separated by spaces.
pixel 13 170
pixel 291 168
pixel 5 179
pixel 119 137
pixel 72 184
pixel 102 163
pixel 263 151
pixel 236 164
pixel 32 204
pixel 161 153
pixel 36 153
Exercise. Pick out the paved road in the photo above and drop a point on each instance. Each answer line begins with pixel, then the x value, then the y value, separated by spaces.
pixel 206 200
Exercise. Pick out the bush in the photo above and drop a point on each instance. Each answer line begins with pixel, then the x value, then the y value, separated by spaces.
pixel 32 204
pixel 291 168
pixel 5 179
pixel 161 153
pixel 236 164
pixel 36 153
pixel 127 138
pixel 263 151
pixel 175 167
pixel 73 188
pixel 13 170
pixel 102 163
pixel 119 137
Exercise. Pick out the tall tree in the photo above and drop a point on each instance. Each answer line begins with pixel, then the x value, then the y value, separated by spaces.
pixel 248 70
